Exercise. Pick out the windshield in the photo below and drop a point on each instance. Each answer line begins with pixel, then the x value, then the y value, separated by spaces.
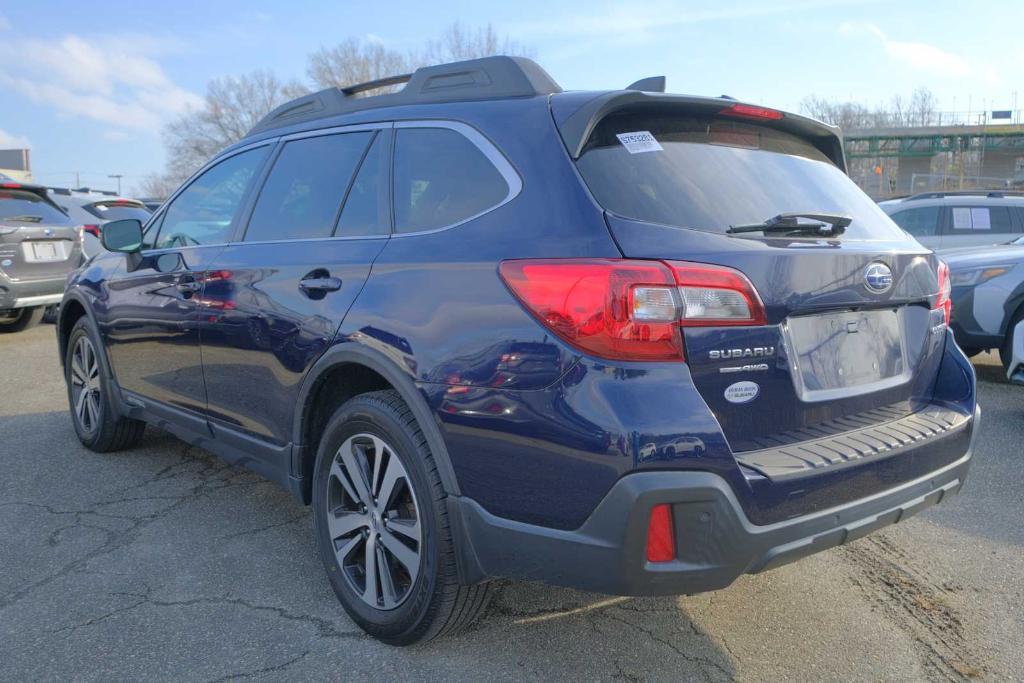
pixel 20 206
pixel 116 211
pixel 709 173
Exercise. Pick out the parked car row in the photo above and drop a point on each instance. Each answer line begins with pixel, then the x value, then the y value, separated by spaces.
pixel 45 233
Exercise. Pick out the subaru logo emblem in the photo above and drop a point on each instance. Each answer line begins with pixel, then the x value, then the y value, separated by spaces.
pixel 878 278
pixel 48 232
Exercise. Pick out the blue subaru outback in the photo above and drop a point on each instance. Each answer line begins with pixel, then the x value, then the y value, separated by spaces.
pixel 623 341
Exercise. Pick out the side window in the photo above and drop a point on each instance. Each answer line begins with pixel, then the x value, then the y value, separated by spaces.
pixel 990 219
pixel 204 211
pixel 305 188
pixel 365 211
pixel 920 222
pixel 441 178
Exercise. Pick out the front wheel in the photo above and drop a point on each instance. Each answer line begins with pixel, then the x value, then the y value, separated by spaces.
pixel 20 319
pixel 96 422
pixel 382 525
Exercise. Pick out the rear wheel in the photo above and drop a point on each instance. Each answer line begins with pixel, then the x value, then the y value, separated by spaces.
pixel 382 525
pixel 19 319
pixel 96 423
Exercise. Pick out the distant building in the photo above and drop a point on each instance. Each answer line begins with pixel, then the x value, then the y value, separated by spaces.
pixel 16 164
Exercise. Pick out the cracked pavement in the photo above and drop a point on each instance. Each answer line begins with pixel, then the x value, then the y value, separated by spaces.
pixel 164 563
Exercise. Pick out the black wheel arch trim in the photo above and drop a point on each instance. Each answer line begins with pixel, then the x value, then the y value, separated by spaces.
pixel 356 354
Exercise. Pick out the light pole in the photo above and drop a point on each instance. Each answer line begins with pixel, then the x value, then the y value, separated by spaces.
pixel 118 176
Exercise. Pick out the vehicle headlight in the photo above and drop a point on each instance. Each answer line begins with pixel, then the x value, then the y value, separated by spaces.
pixel 977 276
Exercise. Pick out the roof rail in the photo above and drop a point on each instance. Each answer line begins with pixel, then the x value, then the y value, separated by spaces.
pixel 994 194
pixel 475 79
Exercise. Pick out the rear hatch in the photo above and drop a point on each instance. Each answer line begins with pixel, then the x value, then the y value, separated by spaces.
pixel 844 347
pixel 37 240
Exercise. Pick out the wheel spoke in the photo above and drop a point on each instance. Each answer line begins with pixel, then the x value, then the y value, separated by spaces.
pixel 338 473
pixel 346 550
pixel 410 528
pixel 345 523
pixel 379 449
pixel 80 405
pixel 410 559
pixel 370 591
pixel 77 371
pixel 94 408
pixel 356 471
pixel 392 474
pixel 387 584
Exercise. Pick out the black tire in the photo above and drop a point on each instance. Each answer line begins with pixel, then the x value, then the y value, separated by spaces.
pixel 1006 349
pixel 51 313
pixel 21 319
pixel 433 603
pixel 96 423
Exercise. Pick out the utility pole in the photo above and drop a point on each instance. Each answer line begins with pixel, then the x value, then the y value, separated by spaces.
pixel 118 176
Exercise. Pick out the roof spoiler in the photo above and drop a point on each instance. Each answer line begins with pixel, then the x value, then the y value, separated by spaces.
pixel 577 127
pixel 475 79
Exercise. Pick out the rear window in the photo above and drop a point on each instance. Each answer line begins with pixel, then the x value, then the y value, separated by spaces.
pixel 116 211
pixel 709 173
pixel 19 206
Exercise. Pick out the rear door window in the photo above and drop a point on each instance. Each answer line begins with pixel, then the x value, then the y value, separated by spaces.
pixel 441 178
pixel 366 211
pixel 708 173
pixel 302 196
pixel 919 222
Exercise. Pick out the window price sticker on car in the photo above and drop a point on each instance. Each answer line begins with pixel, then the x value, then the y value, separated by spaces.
pixel 640 141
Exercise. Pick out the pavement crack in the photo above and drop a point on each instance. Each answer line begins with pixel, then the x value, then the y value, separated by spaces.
pixel 277 668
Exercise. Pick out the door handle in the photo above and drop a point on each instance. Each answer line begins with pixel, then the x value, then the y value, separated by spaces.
pixel 320 284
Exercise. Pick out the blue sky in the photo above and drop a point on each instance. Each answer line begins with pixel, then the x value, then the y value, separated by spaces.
pixel 88 85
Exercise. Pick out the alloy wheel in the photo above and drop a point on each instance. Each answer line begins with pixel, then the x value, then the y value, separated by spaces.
pixel 374 521
pixel 85 384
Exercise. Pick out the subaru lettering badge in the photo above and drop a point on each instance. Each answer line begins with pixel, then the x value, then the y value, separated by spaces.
pixel 878 278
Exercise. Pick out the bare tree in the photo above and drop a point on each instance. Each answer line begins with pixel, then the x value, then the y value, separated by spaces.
pixel 920 110
pixel 354 61
pixel 231 107
pixel 457 44
pixel 157 186
pixel 846 115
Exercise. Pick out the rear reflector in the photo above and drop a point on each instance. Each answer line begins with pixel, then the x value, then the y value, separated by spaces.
pixel 749 111
pixel 661 540
pixel 626 309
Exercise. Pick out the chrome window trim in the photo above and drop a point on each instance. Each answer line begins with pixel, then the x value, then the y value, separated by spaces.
pixel 489 150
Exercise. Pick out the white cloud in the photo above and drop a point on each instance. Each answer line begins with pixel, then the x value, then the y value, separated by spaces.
pixel 8 141
pixel 920 56
pixel 112 81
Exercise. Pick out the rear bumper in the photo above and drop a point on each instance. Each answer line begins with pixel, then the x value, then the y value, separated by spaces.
pixel 716 541
pixel 19 294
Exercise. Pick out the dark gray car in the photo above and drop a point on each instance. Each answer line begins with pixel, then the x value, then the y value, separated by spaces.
pixel 39 246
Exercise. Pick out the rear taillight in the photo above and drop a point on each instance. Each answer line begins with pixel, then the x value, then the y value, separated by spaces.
pixel 942 299
pixel 661 538
pixel 93 230
pixel 631 309
pixel 750 111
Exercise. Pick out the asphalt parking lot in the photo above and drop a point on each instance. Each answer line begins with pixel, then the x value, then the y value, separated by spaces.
pixel 163 563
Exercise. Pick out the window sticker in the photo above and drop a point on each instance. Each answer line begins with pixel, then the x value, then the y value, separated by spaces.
pixel 961 218
pixel 981 219
pixel 639 141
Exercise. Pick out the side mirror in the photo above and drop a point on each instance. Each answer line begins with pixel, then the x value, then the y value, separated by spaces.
pixel 124 236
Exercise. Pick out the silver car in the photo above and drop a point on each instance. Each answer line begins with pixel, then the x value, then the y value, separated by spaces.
pixel 91 209
pixel 948 220
pixel 988 296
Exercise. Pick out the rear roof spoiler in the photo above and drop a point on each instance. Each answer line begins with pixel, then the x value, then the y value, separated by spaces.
pixel 577 127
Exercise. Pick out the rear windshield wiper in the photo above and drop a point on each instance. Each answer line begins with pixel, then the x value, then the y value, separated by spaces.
pixel 23 219
pixel 825 225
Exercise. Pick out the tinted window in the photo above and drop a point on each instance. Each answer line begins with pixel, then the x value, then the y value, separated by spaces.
pixel 441 178
pixel 304 190
pixel 116 211
pixel 985 218
pixel 19 206
pixel 708 174
pixel 920 222
pixel 365 207
pixel 203 212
